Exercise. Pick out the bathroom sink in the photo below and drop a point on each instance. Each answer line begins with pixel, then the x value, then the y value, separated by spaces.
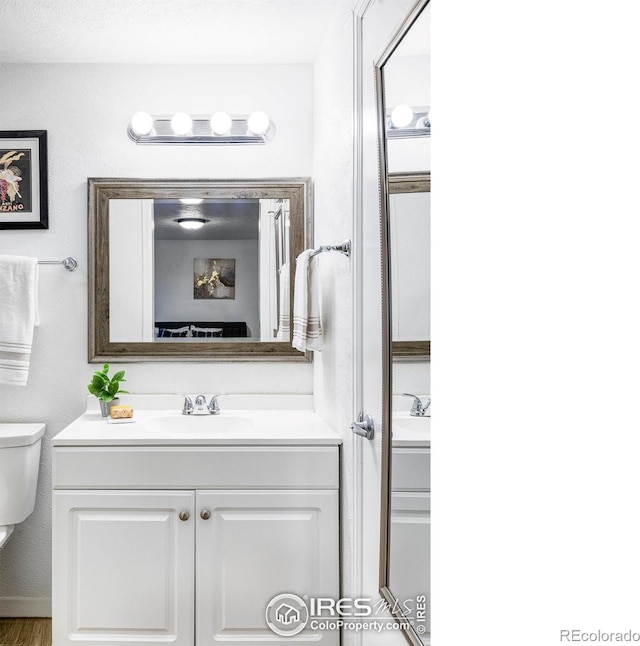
pixel 412 424
pixel 411 430
pixel 185 424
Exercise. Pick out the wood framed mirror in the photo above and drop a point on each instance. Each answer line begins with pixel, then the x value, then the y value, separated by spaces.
pixel 409 231
pixel 218 289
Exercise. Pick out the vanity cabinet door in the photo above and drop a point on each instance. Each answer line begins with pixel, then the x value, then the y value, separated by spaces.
pixel 123 567
pixel 410 556
pixel 254 545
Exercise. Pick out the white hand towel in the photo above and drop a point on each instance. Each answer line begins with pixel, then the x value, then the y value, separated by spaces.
pixel 18 316
pixel 284 326
pixel 307 331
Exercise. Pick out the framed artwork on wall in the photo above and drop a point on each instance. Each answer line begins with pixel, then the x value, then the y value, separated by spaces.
pixel 24 200
pixel 214 278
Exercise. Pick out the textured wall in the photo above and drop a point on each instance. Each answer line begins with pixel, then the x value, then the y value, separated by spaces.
pixel 85 109
pixel 333 176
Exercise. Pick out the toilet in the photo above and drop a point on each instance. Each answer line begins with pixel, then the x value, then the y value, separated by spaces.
pixel 19 463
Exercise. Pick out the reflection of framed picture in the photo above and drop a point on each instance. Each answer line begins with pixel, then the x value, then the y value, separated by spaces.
pixel 23 179
pixel 214 278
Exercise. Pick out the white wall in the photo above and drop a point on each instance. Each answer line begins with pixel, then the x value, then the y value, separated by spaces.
pixel 333 206
pixel 85 109
pixel 174 282
pixel 131 270
pixel 410 224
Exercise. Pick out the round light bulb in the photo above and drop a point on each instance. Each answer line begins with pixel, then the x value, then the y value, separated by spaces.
pixel 258 123
pixel 192 200
pixel 191 223
pixel 401 116
pixel 142 123
pixel 181 123
pixel 220 123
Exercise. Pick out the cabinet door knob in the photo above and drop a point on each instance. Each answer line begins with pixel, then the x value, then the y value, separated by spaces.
pixel 205 514
pixel 183 515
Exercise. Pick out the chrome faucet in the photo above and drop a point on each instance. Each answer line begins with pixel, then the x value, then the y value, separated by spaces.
pixel 200 406
pixel 418 409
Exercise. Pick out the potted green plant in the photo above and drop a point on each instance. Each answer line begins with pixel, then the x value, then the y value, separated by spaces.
pixel 106 388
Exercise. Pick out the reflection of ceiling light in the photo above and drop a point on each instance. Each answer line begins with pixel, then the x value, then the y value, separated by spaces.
pixel 401 116
pixel 191 223
pixel 192 200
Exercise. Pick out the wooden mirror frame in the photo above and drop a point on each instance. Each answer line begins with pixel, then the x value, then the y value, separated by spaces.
pixel 101 190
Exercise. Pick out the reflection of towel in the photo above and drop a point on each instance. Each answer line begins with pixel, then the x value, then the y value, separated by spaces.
pixel 18 316
pixel 307 332
pixel 284 327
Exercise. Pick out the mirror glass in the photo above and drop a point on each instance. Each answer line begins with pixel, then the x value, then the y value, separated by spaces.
pixel 194 270
pixel 409 196
pixel 404 102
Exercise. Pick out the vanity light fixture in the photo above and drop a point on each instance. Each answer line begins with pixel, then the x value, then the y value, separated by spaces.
pixel 406 121
pixel 218 128
pixel 191 200
pixel 191 223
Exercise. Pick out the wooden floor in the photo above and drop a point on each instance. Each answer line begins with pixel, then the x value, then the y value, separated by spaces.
pixel 25 632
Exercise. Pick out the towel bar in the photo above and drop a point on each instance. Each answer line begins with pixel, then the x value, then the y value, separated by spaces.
pixel 69 263
pixel 343 247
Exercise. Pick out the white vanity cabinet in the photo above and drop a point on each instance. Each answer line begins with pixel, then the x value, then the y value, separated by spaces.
pixel 410 524
pixel 186 545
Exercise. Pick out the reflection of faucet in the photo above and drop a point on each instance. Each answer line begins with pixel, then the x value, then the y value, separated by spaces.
pixel 200 407
pixel 418 409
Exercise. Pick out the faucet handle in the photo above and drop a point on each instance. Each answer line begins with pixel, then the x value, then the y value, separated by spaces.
pixel 187 407
pixel 213 407
pixel 418 409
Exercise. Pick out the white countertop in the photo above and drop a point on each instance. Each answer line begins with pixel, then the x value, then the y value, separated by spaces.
pixel 232 427
pixel 411 432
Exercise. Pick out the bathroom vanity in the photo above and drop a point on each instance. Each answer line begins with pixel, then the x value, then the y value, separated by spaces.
pixel 410 516
pixel 178 529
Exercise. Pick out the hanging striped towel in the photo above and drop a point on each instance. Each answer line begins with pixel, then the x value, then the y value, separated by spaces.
pixel 307 331
pixel 18 316
pixel 284 327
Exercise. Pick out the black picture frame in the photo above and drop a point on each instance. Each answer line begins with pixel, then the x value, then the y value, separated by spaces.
pixel 24 199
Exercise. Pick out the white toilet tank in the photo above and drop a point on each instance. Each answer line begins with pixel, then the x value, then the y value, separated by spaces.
pixel 19 463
